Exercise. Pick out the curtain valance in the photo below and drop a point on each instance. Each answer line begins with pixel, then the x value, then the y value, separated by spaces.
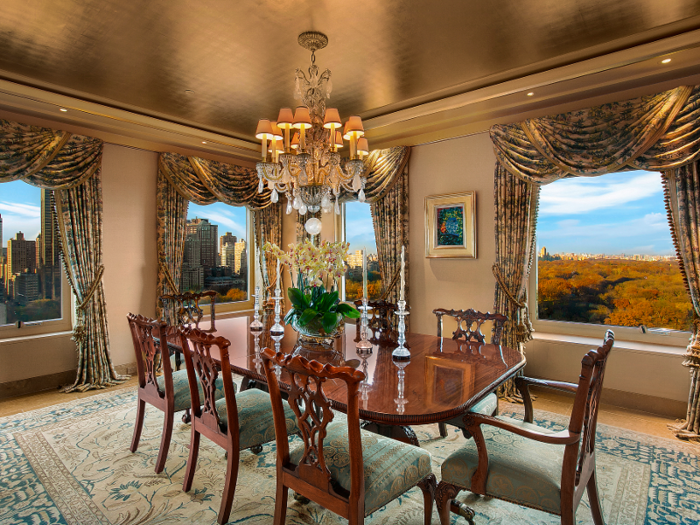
pixel 383 169
pixel 205 181
pixel 654 132
pixel 47 158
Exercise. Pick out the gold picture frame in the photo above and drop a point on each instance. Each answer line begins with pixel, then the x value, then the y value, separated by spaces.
pixel 450 225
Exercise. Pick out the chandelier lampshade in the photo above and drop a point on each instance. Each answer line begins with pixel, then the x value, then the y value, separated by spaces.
pixel 305 163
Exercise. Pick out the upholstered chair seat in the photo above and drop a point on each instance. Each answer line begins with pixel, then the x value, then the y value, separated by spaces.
pixel 181 389
pixel 391 467
pixel 487 406
pixel 254 418
pixel 513 476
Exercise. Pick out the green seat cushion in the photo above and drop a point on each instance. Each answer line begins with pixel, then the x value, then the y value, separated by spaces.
pixel 520 470
pixel 486 406
pixel 255 417
pixel 181 389
pixel 391 467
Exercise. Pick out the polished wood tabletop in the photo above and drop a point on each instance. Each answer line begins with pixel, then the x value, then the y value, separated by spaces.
pixel 442 379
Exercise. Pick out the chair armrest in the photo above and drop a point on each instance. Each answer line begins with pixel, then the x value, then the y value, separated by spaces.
pixel 473 423
pixel 523 383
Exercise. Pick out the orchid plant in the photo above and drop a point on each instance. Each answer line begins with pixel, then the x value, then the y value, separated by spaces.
pixel 315 273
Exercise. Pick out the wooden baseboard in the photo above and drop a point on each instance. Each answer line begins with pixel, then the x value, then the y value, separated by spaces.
pixel 34 385
pixel 654 405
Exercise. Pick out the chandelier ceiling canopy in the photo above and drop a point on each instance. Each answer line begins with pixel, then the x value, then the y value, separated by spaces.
pixel 304 161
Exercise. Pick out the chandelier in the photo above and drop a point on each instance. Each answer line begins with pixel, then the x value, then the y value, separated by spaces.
pixel 304 162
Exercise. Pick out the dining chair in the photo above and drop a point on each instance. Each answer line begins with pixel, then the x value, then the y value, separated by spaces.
pixel 236 422
pixel 167 391
pixel 381 319
pixel 347 470
pixel 187 310
pixel 469 325
pixel 523 463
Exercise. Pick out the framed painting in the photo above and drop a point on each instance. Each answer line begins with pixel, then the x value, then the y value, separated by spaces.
pixel 450 225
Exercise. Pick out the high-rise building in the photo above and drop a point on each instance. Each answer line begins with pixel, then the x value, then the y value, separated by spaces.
pixel 355 259
pixel 228 256
pixel 21 255
pixel 49 249
pixel 240 254
pixel 226 238
pixel 208 235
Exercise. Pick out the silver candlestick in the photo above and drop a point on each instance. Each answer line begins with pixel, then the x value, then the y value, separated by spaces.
pixel 401 352
pixel 277 328
pixel 256 325
pixel 364 344
pixel 401 400
pixel 277 339
pixel 257 360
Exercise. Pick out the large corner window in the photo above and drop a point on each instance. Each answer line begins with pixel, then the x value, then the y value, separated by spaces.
pixel 217 254
pixel 359 232
pixel 34 297
pixel 606 257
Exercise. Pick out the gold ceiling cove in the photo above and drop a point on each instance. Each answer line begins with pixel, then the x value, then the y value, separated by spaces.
pixel 304 162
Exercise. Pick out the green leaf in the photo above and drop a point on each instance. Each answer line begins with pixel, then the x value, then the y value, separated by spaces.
pixel 329 321
pixel 326 301
pixel 297 298
pixel 291 314
pixel 307 316
pixel 347 311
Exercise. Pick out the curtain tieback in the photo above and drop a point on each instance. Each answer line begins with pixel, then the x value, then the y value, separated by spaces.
pixel 169 279
pixel 388 289
pixel 523 326
pixel 79 330
pixel 692 355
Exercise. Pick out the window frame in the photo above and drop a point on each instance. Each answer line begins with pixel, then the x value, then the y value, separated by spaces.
pixel 52 326
pixel 654 336
pixel 248 304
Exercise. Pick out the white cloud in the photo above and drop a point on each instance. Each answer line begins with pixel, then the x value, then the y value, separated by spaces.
pixel 585 194
pixel 16 208
pixel 231 225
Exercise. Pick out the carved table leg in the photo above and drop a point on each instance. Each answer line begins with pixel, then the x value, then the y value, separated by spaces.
pixel 399 433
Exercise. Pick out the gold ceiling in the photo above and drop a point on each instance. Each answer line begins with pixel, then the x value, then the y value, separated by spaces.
pixel 219 65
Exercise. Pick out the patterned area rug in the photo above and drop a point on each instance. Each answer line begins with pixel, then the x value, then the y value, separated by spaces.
pixel 70 464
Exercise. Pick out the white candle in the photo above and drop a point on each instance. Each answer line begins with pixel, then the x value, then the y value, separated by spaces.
pixel 364 272
pixel 278 274
pixel 403 269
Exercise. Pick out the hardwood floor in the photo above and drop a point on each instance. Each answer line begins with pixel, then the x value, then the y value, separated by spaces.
pixel 633 420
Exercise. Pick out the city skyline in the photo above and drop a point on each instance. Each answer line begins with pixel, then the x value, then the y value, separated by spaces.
pixel 21 210
pixel 359 230
pixel 611 214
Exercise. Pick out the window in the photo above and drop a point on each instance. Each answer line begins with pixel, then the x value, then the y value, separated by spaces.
pixel 32 285
pixel 217 253
pixel 606 257
pixel 359 232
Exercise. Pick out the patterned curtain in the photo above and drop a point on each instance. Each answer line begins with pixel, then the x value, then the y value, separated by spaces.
pixel 59 160
pixel 390 218
pixel 655 132
pixel 682 195
pixel 268 228
pixel 171 217
pixel 183 179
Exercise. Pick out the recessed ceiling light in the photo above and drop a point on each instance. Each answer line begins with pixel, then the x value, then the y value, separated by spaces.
pixel 665 60
pixel 64 109
pixel 531 94
pixel 189 92
pixel 204 142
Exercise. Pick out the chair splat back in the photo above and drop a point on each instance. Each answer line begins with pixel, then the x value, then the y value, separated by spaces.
pixel 584 415
pixel 186 310
pixel 469 323
pixel 147 334
pixel 313 412
pixel 200 351
pixel 381 319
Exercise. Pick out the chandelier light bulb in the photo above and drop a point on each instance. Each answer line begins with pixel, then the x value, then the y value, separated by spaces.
pixel 313 226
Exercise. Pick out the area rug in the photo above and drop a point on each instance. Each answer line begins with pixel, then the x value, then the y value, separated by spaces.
pixel 70 464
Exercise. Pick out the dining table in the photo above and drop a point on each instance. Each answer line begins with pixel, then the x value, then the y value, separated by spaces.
pixel 442 379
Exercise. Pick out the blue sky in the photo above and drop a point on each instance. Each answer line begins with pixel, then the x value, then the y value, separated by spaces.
pixel 612 214
pixel 228 218
pixel 20 207
pixel 359 231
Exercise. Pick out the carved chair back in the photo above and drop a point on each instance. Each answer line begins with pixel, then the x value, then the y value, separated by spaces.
pixel 313 413
pixel 206 358
pixel 469 323
pixel 185 308
pixel 579 457
pixel 150 354
pixel 381 319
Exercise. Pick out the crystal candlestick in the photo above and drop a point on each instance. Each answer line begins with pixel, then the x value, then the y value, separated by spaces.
pixel 364 344
pixel 277 339
pixel 401 352
pixel 277 329
pixel 257 360
pixel 256 325
pixel 401 400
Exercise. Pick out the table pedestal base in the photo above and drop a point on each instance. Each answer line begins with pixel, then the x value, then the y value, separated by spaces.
pixel 397 432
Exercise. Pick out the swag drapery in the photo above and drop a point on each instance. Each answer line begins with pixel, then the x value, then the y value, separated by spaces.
pixel 70 165
pixel 656 132
pixel 182 179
